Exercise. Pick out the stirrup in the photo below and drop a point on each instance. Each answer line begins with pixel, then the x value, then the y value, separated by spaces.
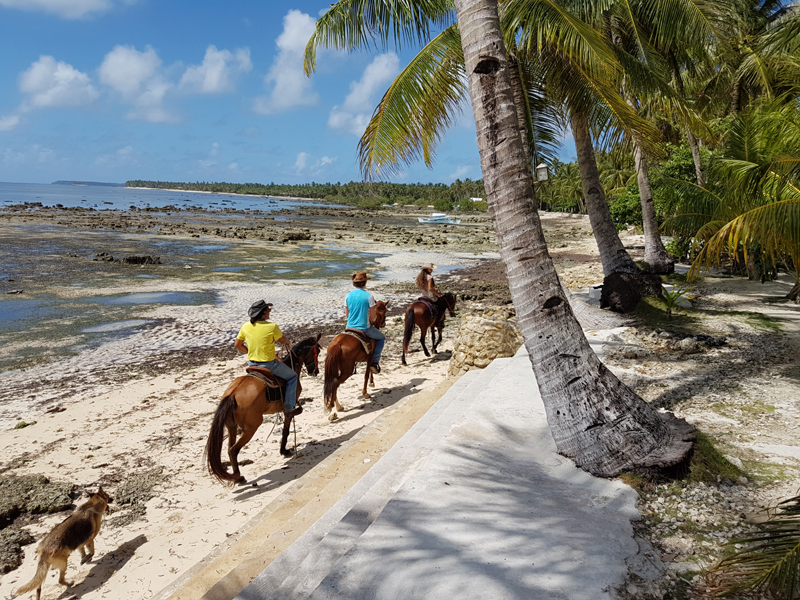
pixel 375 368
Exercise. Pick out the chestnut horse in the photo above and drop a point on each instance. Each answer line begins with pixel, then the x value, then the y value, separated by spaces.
pixel 244 404
pixel 419 313
pixel 344 352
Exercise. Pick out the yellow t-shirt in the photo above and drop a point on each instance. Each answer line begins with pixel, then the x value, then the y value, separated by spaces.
pixel 260 339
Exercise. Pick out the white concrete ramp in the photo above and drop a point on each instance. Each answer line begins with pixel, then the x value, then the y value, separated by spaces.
pixel 472 503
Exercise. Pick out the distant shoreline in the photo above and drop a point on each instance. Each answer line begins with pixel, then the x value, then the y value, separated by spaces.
pixel 300 198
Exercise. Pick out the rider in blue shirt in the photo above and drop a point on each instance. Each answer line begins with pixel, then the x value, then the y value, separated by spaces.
pixel 357 305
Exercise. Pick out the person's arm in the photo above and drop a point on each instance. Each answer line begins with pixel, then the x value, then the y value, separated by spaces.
pixel 239 345
pixel 432 286
pixel 284 342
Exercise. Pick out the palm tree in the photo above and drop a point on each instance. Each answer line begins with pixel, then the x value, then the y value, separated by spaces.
pixel 750 209
pixel 594 418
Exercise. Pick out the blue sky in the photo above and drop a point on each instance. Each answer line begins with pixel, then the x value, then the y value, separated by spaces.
pixel 111 90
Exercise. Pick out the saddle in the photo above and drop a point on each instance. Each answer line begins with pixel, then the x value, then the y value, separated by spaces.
pixel 265 375
pixel 367 342
pixel 435 314
pixel 269 379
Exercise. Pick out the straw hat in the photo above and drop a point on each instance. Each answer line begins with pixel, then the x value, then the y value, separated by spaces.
pixel 359 277
pixel 257 308
pixel 430 266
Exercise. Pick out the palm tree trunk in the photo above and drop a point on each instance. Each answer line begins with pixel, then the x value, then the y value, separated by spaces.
pixel 654 252
pixel 694 146
pixel 594 418
pixel 613 255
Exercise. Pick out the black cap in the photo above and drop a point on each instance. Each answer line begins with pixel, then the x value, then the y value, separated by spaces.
pixel 257 308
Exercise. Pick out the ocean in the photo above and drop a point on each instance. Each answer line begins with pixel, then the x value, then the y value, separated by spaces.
pixel 117 196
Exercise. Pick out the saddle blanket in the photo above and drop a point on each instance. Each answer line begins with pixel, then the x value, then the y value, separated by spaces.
pixel 366 342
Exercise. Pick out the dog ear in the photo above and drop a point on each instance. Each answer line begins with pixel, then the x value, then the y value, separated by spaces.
pixel 100 490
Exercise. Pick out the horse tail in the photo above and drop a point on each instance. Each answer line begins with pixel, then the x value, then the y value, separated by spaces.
pixel 214 444
pixel 333 361
pixel 409 330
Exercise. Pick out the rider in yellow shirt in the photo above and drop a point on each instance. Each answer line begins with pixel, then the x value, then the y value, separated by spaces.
pixel 257 339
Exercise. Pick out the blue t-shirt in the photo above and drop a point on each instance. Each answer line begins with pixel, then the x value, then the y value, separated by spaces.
pixel 358 302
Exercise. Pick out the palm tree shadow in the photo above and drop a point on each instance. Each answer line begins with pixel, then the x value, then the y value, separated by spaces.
pixel 104 568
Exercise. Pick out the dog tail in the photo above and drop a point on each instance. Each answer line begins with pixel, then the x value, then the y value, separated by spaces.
pixel 214 444
pixel 38 579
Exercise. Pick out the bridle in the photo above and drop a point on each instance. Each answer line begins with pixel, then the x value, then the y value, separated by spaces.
pixel 447 303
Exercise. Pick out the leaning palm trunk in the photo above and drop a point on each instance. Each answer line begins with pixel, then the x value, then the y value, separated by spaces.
pixel 654 252
pixel 594 418
pixel 613 256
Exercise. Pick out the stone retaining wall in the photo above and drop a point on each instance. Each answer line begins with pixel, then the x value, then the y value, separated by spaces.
pixel 482 337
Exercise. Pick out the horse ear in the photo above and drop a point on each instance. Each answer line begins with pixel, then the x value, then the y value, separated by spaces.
pixel 386 304
pixel 319 335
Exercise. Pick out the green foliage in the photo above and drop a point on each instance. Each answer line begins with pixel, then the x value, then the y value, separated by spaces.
pixel 672 298
pixel 356 193
pixel 626 208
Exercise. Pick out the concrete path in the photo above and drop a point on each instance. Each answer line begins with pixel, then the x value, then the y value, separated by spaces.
pixel 472 502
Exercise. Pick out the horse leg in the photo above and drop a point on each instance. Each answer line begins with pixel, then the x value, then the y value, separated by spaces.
pixel 232 428
pixel 424 333
pixel 248 431
pixel 287 420
pixel 371 380
pixel 433 337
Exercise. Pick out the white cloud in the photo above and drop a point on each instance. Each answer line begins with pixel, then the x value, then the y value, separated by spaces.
pixel 8 123
pixel 460 172
pixel 127 70
pixel 355 112
pixel 218 71
pixel 290 86
pixel 50 83
pixel 302 165
pixel 138 79
pixel 124 157
pixel 69 9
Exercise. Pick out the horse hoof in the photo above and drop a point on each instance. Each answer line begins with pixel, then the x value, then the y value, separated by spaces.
pixel 241 480
pixel 333 417
pixel 366 396
pixel 287 453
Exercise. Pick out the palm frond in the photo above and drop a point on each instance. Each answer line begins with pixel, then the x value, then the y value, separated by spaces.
pixel 421 103
pixel 352 24
pixel 769 563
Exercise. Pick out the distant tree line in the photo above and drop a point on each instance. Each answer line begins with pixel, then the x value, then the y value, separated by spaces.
pixel 374 194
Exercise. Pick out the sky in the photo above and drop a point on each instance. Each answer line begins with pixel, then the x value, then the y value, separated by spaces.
pixel 201 90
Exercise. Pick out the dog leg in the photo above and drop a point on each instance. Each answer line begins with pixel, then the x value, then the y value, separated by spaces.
pixel 61 565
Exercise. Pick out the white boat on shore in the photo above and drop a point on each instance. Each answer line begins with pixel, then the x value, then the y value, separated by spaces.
pixel 439 219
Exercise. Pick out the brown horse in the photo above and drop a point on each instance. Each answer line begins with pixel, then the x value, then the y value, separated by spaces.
pixel 344 352
pixel 419 313
pixel 244 404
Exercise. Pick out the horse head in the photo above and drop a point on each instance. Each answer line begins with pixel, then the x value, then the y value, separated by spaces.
pixel 307 352
pixel 377 314
pixel 450 301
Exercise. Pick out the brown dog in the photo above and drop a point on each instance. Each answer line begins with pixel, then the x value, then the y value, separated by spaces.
pixel 76 531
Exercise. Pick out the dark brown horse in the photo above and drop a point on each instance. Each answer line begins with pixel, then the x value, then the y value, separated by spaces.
pixel 419 313
pixel 344 352
pixel 244 404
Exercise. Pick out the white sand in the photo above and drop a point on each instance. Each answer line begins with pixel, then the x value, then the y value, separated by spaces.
pixel 122 427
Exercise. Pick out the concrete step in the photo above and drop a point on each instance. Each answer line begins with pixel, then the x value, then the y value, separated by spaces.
pixel 488 510
pixel 300 569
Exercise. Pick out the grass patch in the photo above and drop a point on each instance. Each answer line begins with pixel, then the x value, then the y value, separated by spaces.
pixel 769 472
pixel 763 322
pixel 652 312
pixel 708 465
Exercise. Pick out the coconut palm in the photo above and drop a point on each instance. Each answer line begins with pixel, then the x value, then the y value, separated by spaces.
pixel 594 418
pixel 574 67
pixel 750 210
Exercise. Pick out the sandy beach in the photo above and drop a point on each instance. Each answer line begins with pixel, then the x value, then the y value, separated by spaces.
pixel 132 412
